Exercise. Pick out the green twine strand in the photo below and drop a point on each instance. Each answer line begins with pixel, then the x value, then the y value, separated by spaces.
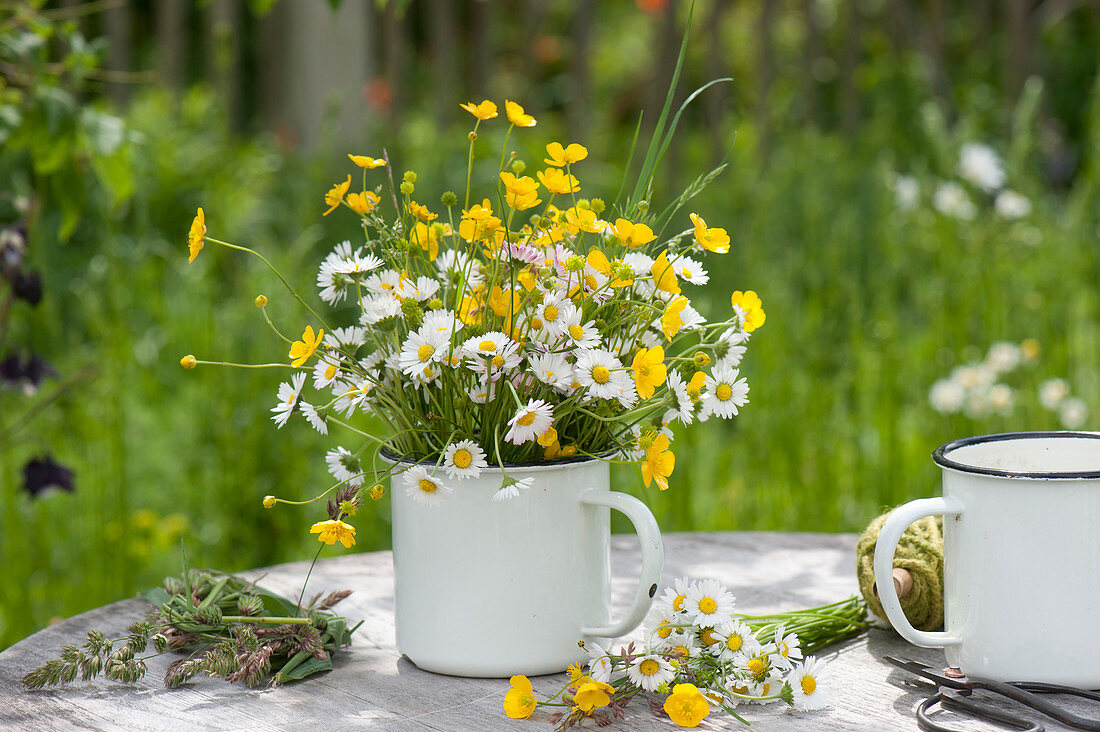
pixel 920 551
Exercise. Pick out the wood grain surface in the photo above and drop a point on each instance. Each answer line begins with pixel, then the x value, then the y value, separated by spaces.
pixel 373 687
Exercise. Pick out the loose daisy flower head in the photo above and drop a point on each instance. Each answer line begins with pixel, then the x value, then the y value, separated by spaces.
pixel 788 648
pixel 344 466
pixel 599 667
pixel 315 418
pixel 530 422
pixel 424 487
pixel 464 459
pixel 734 638
pixel 675 596
pixel 288 398
pixel 649 672
pixel 809 684
pixel 511 488
pixel 725 393
pixel 708 603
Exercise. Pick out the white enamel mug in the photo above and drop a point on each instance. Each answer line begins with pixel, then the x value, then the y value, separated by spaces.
pixel 1021 557
pixel 496 589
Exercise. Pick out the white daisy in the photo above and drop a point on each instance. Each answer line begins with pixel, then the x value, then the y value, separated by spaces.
pixel 768 687
pixel 379 307
pixel 357 265
pixel 577 335
pixel 708 603
pixel 788 648
pixel 482 392
pixel 313 417
pixel 661 621
pixel 1011 205
pixel 649 672
pixel 685 407
pixel 288 398
pixel 325 372
pixel 351 337
pixel 344 466
pixel 951 199
pixel 485 346
pixel 674 596
pixel 423 289
pixel 681 642
pixel 385 282
pixel 601 373
pixel 334 287
pixel 552 369
pixel 600 666
pixel 980 165
pixel 689 270
pixel 442 320
pixel 421 349
pixel 423 487
pixel 725 392
pixel 510 488
pixel 464 459
pixel 809 684
pixel 734 637
pixel 530 422
pixel 553 311
pixel 728 350
pixel 691 319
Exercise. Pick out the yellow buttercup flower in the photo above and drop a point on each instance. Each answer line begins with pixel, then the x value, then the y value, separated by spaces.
pixel 561 157
pixel 713 240
pixel 751 305
pixel 421 212
pixel 649 370
pixel 671 320
pixel 557 180
pixel 664 275
pixel 335 195
pixel 478 222
pixel 599 262
pixel 427 236
pixel 517 116
pixel 521 193
pixel 366 161
pixel 332 531
pixel 695 386
pixel 502 304
pixel 593 694
pixel 301 350
pixel 196 238
pixel 485 110
pixel 686 705
pixel 659 463
pixel 362 203
pixel 520 701
pixel 582 219
pixel 632 235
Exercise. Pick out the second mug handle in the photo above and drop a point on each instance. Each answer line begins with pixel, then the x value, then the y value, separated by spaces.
pixel 653 558
pixel 888 536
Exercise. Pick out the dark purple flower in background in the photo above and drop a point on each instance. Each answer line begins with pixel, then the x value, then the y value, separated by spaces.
pixel 13 247
pixel 24 371
pixel 27 285
pixel 43 473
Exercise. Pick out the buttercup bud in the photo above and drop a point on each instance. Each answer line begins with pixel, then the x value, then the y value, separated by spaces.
pixel 260 301
pixel 377 491
pixel 189 362
pixel 518 166
pixel 472 135
pixel 269 501
pixel 701 359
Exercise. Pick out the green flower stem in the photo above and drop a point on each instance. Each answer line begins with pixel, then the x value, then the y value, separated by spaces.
pixel 267 620
pixel 248 365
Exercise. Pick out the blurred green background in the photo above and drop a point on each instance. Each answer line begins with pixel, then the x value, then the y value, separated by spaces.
pixel 886 268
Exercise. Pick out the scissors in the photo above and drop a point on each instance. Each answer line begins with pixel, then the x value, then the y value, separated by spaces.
pixel 954 689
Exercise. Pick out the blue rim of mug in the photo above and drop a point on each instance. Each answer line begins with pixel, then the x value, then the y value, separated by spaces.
pixel 940 456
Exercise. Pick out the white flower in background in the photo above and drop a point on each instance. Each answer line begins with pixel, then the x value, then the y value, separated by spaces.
pixel 973 376
pixel 334 288
pixel 601 373
pixel 708 604
pixel 728 350
pixel 725 393
pixel 351 337
pixel 357 265
pixel 423 289
pixel 530 422
pixel 1003 356
pixel 950 199
pixel 1011 205
pixel 685 407
pixel 981 166
pixel 1073 413
pixel 1053 392
pixel 649 672
pixel 344 466
pixel 688 270
pixel 464 459
pixel 318 422
pixel 977 404
pixel 442 320
pixel 423 487
pixel 734 637
pixel 788 648
pixel 1001 399
pixel 906 192
pixel 288 398
pixel 947 396
pixel 379 307
pixel 385 282
pixel 482 392
pixel 808 682
pixel 768 687
pixel 552 369
pixel 599 667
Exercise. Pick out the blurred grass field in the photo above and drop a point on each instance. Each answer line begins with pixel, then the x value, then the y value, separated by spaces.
pixel 868 305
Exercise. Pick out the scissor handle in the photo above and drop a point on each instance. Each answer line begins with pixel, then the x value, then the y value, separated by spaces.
pixel 952 701
pixel 1028 694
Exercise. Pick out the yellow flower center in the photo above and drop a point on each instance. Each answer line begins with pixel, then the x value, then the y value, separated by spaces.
pixel 550 312
pixel 755 666
pixel 486 345
pixel 536 324
pixel 678 602
pixel 590 282
pixel 527 419
pixel 708 605
pixel 723 392
pixel 708 637
pixel 601 375
pixel 683 650
pixel 686 273
pixel 649 667
pixel 427 486
pixel 734 642
pixel 425 352
pixel 784 650
pixel 330 372
pixel 809 686
pixel 575 331
pixel 498 361
pixel 664 630
pixel 387 286
pixel 463 458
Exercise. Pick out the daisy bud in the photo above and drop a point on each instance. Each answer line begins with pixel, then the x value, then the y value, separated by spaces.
pixel 189 362
pixel 472 135
pixel 598 206
pixel 260 301
pixel 701 359
pixel 269 501
pixel 376 492
pixel 449 199
pixel 406 188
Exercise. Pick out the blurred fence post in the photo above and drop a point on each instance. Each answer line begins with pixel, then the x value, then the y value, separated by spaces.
pixel 442 32
pixel 717 67
pixel 171 23
pixel 118 25
pixel 1020 34
pixel 765 71
pixel 811 52
pixel 578 105
pixel 853 47
pixel 223 56
pixel 478 49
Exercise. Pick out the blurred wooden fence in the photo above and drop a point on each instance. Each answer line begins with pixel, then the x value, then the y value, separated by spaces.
pixel 281 70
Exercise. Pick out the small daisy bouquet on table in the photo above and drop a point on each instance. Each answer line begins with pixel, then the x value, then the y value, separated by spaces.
pixel 700 654
pixel 533 325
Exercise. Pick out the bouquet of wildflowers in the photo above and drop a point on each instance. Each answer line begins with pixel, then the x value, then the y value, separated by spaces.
pixel 535 324
pixel 699 654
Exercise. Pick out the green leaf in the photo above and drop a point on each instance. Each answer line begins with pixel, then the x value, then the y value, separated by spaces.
pixel 302 670
pixel 261 7
pixel 155 595
pixel 116 174
pixel 104 133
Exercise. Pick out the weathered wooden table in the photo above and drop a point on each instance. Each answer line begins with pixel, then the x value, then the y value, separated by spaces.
pixel 373 687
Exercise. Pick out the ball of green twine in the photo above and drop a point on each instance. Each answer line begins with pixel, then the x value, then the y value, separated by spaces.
pixel 920 551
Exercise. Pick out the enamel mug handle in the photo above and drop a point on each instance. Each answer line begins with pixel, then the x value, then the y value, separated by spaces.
pixel 653 558
pixel 888 536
